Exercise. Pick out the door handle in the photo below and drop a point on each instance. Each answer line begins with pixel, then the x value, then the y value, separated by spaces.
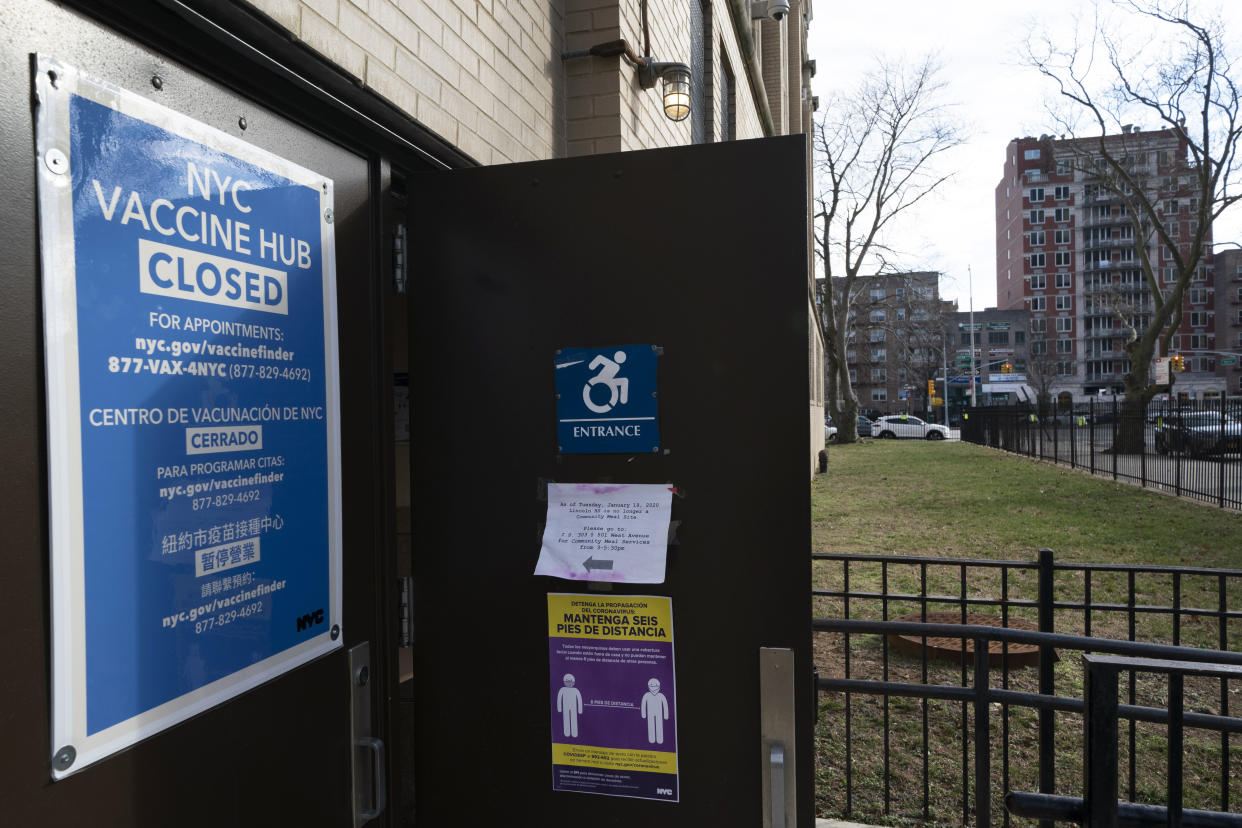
pixel 776 769
pixel 379 790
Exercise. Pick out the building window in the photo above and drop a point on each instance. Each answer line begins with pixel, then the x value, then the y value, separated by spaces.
pixel 1065 324
pixel 853 376
pixel 1065 369
pixel 1201 274
pixel 702 115
pixel 1061 214
pixel 878 316
pixel 877 294
pixel 998 337
pixel 728 99
pixel 1065 346
pixel 1037 195
pixel 1198 319
pixel 879 355
pixel 1037 238
pixel 1038 326
pixel 877 335
pixel 1064 167
pixel 1037 260
pixel 879 375
pixel 1039 347
pixel 879 395
pixel 1065 302
pixel 1039 281
pixel 1198 296
pixel 1065 280
pixel 1039 303
pixel 1019 337
pixel 1061 193
pixel 1126 254
pixel 965 339
pixel 1170 205
pixel 1062 258
pixel 1037 217
pixel 1061 236
pixel 1031 155
pixel 1104 211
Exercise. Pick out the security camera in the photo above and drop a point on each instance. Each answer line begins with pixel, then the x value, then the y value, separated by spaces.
pixel 773 9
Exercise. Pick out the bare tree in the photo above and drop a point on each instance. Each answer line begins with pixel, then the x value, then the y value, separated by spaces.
pixel 876 150
pixel 1180 78
pixel 1042 371
pixel 921 341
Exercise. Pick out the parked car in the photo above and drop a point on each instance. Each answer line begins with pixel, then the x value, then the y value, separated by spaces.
pixel 1199 433
pixel 907 425
pixel 864 429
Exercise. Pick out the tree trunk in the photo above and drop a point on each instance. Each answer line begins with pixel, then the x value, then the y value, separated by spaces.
pixel 845 415
pixel 1132 430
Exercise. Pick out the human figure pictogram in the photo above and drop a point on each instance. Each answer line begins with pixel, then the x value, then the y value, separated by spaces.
pixel 569 705
pixel 655 710
pixel 618 387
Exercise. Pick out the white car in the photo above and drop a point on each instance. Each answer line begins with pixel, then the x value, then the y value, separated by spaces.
pixel 830 433
pixel 907 425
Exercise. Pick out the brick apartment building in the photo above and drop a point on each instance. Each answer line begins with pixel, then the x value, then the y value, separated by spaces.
pixel 895 340
pixel 1066 250
pixel 1228 278
pixel 1003 368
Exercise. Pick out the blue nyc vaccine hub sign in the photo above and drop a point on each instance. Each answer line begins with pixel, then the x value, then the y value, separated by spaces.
pixel 606 400
pixel 193 413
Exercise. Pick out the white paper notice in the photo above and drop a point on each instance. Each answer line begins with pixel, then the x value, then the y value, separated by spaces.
pixel 606 532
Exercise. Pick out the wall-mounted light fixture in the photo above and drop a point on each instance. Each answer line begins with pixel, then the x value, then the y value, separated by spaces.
pixel 674 77
pixel 675 86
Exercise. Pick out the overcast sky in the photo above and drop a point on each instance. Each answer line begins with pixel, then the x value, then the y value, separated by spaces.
pixel 980 43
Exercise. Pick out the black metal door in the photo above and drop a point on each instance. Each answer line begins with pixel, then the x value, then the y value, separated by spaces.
pixel 279 754
pixel 703 252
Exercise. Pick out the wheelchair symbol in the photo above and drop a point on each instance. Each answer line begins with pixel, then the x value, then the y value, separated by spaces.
pixel 619 387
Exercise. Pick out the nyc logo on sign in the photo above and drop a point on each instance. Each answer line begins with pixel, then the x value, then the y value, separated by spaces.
pixel 606 400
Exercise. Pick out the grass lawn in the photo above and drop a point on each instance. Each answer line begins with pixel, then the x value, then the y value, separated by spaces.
pixel 957 500
pixel 962 500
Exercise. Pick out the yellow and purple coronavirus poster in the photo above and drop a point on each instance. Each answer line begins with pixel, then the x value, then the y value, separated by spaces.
pixel 613 699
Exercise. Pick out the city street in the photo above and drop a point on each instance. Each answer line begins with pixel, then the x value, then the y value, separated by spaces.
pixel 1088 447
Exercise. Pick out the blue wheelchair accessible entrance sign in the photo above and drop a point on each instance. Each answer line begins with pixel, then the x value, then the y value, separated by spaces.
pixel 606 400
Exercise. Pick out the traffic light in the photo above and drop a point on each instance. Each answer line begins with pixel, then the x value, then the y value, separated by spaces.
pixel 1177 362
pixel 931 388
pixel 1006 368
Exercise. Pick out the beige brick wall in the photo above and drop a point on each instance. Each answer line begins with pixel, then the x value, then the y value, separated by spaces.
pixel 485 75
pixel 774 62
pixel 726 48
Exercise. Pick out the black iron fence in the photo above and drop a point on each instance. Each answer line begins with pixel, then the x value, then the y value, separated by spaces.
pixel 934 671
pixel 1191 448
